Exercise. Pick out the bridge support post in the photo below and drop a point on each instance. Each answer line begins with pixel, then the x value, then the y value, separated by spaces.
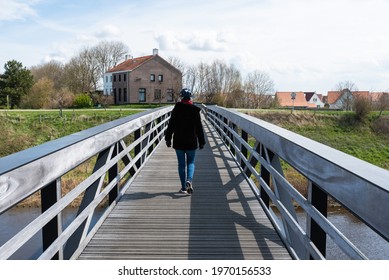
pixel 243 148
pixel 231 136
pixel 146 141
pixel 112 173
pixel 318 199
pixel 265 174
pixel 138 148
pixel 50 232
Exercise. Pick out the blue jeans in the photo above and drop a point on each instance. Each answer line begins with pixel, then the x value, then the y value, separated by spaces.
pixel 186 165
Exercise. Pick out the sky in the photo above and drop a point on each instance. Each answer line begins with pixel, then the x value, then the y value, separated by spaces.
pixel 303 45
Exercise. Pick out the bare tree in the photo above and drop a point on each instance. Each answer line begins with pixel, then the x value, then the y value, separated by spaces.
pixel 175 87
pixel 346 89
pixel 108 54
pixel 53 70
pixel 222 84
pixel 214 81
pixel 383 102
pixel 259 86
pixel 177 63
pixel 202 82
pixel 78 73
pixel 61 99
pixel 232 80
pixel 86 69
pixel 190 80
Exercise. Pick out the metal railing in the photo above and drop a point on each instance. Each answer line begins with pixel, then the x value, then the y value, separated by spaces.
pixel 117 149
pixel 262 150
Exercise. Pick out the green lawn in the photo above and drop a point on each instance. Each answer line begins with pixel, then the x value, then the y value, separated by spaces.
pixel 339 130
pixel 23 129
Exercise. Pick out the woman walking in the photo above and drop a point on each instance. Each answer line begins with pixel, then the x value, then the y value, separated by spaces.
pixel 188 135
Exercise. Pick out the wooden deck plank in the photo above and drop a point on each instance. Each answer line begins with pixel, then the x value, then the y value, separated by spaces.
pixel 221 220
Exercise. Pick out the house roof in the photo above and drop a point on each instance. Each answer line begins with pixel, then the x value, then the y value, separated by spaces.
pixel 375 96
pixel 130 64
pixel 333 96
pixel 284 99
pixel 308 95
pixel 365 94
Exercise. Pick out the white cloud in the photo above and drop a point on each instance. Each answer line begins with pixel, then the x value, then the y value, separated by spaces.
pixel 302 43
pixel 169 42
pixel 108 31
pixel 16 9
pixel 197 41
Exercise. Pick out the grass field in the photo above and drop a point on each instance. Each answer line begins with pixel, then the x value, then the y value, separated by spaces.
pixel 23 129
pixel 367 140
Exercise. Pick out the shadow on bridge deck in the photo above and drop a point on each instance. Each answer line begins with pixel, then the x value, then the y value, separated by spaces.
pixel 221 220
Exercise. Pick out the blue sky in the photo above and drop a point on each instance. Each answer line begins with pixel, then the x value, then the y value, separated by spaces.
pixel 306 45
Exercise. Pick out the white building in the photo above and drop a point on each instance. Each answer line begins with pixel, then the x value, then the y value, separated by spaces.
pixel 107 83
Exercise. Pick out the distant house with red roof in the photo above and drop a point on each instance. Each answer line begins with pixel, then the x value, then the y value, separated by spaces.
pixel 146 79
pixel 301 99
pixel 344 99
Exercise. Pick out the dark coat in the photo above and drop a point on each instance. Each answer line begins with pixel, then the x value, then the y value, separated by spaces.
pixel 185 127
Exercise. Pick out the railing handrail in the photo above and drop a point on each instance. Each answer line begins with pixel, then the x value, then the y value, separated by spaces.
pixel 357 185
pixel 45 156
pixel 40 171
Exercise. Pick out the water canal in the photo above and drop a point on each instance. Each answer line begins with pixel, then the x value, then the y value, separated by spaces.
pixel 370 243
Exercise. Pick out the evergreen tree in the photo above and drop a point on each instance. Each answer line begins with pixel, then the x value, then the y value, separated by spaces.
pixel 14 83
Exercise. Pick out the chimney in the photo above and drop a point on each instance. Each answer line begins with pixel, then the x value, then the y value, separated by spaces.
pixel 128 56
pixel 155 51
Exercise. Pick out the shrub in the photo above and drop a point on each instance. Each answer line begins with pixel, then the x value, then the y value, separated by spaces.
pixel 83 101
pixel 362 108
pixel 381 125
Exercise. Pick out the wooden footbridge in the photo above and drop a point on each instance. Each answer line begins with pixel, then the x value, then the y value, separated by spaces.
pixel 243 207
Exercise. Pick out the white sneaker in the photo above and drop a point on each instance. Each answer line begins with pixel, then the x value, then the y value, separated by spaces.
pixel 182 191
pixel 189 187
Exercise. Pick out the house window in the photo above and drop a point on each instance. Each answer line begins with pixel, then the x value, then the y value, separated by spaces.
pixel 152 77
pixel 120 95
pixel 142 95
pixel 125 94
pixel 106 79
pixel 160 78
pixel 120 78
pixel 114 94
pixel 111 79
pixel 114 78
pixel 157 94
pixel 169 94
pixel 124 77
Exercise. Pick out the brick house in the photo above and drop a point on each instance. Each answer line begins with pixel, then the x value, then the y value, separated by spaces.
pixel 146 79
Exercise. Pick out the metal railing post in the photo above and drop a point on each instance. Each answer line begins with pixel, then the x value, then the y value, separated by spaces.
pixel 138 148
pixel 50 194
pixel 112 174
pixel 265 175
pixel 243 149
pixel 318 199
